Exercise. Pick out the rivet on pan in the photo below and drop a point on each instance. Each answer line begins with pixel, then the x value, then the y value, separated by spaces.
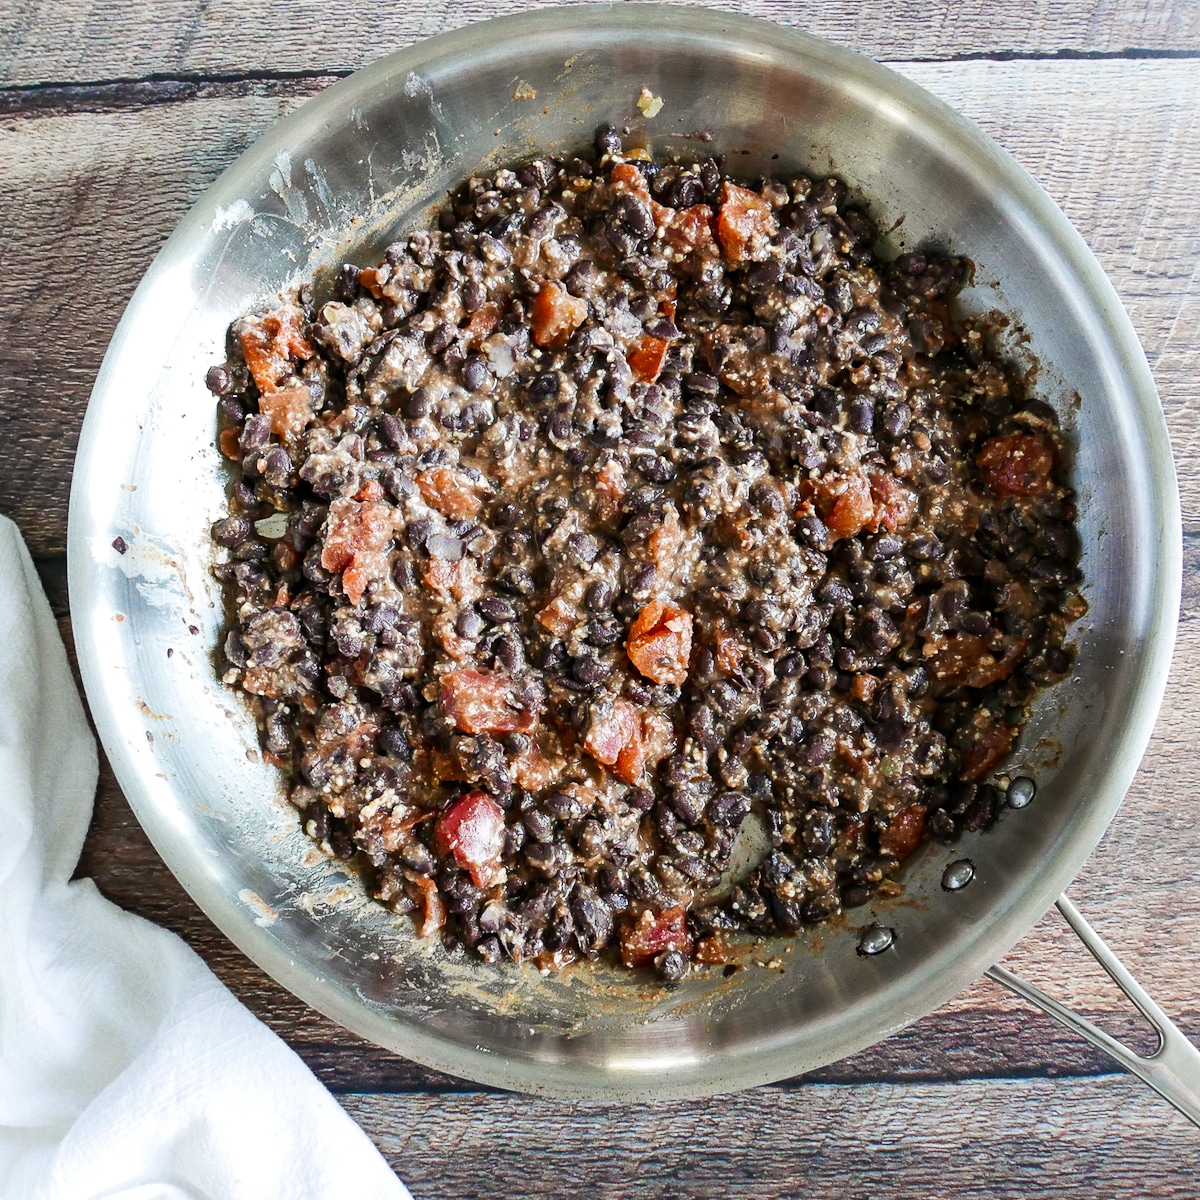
pixel 1020 791
pixel 958 874
pixel 875 939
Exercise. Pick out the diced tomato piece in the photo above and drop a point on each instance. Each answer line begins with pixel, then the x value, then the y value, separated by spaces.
pixel 660 642
pixel 555 315
pixel 845 504
pixel 653 933
pixel 472 829
pixel 904 832
pixel 745 224
pixel 450 492
pixel 728 652
pixel 289 410
pixel 610 487
pixel 646 357
pixel 228 444
pixel 628 180
pixel 533 771
pixel 268 343
pixel 692 229
pixel 484 702
pixel 558 616
pixel 433 907
pixel 968 661
pixel 990 745
pixel 286 326
pixel 483 321
pixel 711 950
pixel 445 768
pixel 864 688
pixel 368 278
pixel 611 729
pixel 627 739
pixel 1017 464
pixel 895 504
pixel 654 740
pixel 356 537
pixel 666 541
pixel 461 579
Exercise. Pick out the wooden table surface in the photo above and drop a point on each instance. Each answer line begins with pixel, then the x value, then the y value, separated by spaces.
pixel 114 116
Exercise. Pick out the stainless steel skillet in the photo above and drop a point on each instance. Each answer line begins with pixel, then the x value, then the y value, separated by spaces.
pixel 339 178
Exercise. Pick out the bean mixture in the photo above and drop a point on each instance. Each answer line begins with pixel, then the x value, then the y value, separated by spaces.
pixel 627 501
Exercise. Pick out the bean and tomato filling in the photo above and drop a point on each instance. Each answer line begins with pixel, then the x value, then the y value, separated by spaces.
pixel 630 500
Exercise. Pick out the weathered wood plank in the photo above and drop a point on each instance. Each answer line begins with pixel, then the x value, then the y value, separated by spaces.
pixel 1105 1137
pixel 1118 144
pixel 86 40
pixel 90 199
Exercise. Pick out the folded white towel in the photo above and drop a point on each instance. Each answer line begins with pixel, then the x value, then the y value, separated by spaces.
pixel 126 1069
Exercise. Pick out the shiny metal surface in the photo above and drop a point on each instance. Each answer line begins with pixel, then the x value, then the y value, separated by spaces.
pixel 1173 1070
pixel 341 177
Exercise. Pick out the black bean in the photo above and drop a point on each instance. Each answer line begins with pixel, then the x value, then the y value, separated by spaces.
pixel 686 192
pixel 818 748
pixel 392 742
pixel 672 965
pixel 566 806
pixel 598 596
pixel 510 651
pixel 586 669
pixel 608 141
pixel 925 548
pixel 230 531
pixel 634 214
pixel 418 404
pixel 469 624
pixel 538 825
pixel 862 415
pixel 604 631
pixel 895 419
pixel 474 373
pixel 514 840
pixel 975 623
pixel 497 610
pixel 218 380
pixel 256 433
pixel 231 410
pixel 517 581
pixel 729 808
pixel 818 831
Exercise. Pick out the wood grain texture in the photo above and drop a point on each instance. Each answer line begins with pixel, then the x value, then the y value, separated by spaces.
pixel 94 194
pixel 983 1097
pixel 64 41
pixel 999 1140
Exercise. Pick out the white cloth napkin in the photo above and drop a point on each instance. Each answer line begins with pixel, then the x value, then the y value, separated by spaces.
pixel 127 1071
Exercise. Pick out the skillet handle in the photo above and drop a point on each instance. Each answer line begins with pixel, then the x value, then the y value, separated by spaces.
pixel 1173 1070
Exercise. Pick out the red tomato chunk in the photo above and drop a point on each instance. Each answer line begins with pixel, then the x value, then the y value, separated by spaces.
pixel 484 702
pixel 556 315
pixel 627 739
pixel 653 933
pixel 355 538
pixel 660 642
pixel 1017 464
pixel 745 224
pixel 472 829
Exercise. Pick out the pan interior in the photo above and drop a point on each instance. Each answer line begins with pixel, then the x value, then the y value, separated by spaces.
pixel 340 179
